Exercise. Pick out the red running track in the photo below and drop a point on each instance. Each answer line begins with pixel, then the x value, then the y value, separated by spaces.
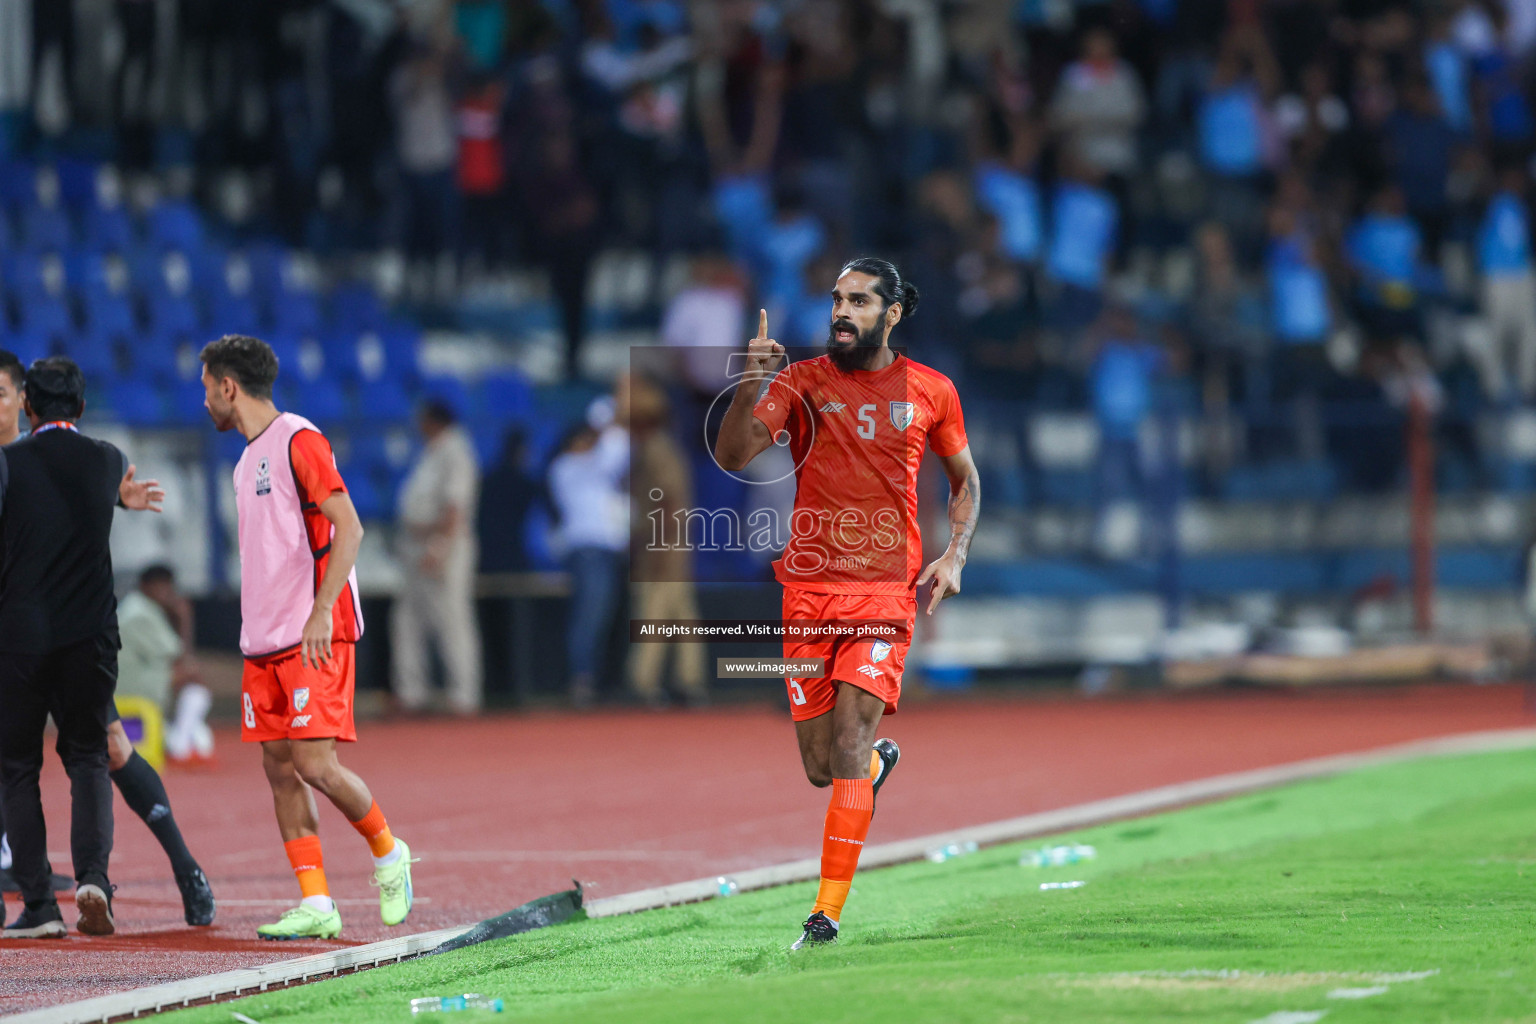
pixel 503 809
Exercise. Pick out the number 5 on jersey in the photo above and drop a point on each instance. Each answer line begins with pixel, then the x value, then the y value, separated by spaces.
pixel 867 421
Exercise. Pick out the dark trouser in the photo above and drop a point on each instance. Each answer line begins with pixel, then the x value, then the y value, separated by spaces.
pixel 74 684
pixel 595 577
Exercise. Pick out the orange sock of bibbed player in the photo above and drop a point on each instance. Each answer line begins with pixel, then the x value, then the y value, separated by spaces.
pixel 853 801
pixel 308 865
pixel 375 829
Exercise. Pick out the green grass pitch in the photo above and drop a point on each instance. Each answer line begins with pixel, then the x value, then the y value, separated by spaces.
pixel 1393 894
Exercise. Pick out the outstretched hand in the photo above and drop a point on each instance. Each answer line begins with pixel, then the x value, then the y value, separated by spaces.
pixel 140 495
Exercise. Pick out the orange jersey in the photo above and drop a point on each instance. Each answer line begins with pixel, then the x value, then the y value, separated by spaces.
pixel 857 439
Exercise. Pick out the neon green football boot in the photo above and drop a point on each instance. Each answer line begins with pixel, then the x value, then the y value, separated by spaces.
pixel 394 885
pixel 304 923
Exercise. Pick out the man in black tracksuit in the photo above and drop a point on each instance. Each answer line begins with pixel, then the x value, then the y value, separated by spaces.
pixel 58 640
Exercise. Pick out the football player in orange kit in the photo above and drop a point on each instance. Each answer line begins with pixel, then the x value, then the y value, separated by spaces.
pixel 856 420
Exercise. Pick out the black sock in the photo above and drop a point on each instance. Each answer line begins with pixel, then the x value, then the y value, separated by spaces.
pixel 145 794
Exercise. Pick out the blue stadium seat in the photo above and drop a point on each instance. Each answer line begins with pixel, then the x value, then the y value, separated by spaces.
pixel 319 400
pixel 210 272
pixel 108 230
pixel 109 315
pixel 77 182
pixel 156 355
pixel 402 342
pixel 298 312
pixel 367 498
pixel 21 272
pixel 26 345
pixel 286 347
pixel 18 184
pixel 94 353
pixel 384 400
pixel 173 315
pixel 268 262
pixel 186 403
pixel 176 224
pixel 86 270
pixel 46 228
pixel 452 391
pixel 356 308
pixel 234 314
pixel 507 396
pixel 370 355
pixel 137 403
pixel 146 269
pixel 44 315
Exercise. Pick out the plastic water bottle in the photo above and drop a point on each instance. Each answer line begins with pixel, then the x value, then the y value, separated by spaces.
pixel 1057 856
pixel 950 852
pixel 452 1004
pixel 726 886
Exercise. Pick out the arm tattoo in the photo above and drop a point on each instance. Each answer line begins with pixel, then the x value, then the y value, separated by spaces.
pixel 964 507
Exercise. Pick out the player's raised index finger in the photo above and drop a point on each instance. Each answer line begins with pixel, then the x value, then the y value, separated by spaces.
pixel 762 324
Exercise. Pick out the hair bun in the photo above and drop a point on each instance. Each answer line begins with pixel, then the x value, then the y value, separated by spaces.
pixel 908 299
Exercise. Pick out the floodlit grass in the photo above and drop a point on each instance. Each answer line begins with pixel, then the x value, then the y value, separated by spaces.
pixel 1394 894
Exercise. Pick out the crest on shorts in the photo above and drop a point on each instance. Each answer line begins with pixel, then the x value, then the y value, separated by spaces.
pixel 300 698
pixel 901 415
pixel 878 649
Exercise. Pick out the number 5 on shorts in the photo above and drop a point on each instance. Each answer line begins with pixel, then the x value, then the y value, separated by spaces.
pixel 797 695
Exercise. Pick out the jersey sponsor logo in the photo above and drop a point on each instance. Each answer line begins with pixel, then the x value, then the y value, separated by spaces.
pixel 299 722
pixel 263 476
pixel 901 415
pixel 878 649
pixel 869 670
pixel 833 407
pixel 250 711
pixel 300 698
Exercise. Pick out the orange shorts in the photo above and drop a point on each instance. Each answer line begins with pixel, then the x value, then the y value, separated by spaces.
pixel 872 661
pixel 282 698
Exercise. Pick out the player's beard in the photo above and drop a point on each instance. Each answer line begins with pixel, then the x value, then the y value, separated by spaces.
pixel 857 356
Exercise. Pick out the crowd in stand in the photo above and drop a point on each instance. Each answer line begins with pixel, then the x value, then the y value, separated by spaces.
pixel 1267 212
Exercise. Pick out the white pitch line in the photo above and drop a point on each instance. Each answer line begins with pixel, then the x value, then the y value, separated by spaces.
pixel 1068 818
pixel 176 994
pixel 340 901
pixel 493 856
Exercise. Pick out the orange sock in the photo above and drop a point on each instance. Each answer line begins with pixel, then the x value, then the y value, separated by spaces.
pixel 853 801
pixel 308 865
pixel 375 829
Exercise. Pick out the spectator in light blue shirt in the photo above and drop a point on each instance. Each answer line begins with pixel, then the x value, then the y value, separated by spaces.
pixel 1013 197
pixel 1236 138
pixel 1300 311
pixel 1231 128
pixel 1384 248
pixel 1508 291
pixel 1447 69
pixel 1084 222
pixel 793 239
pixel 1121 381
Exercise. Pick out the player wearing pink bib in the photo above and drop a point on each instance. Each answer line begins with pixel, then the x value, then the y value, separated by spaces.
pixel 299 620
